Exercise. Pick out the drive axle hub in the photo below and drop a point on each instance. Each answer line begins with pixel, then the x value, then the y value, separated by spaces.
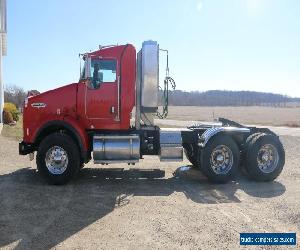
pixel 267 158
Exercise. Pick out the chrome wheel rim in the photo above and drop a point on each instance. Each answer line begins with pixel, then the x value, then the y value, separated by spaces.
pixel 221 159
pixel 56 160
pixel 267 158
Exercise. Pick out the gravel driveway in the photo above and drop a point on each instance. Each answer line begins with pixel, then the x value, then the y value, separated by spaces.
pixel 157 206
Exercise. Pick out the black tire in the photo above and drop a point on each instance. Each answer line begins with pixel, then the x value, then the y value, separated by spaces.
pixel 81 165
pixel 253 156
pixel 244 153
pixel 208 152
pixel 251 137
pixel 191 152
pixel 71 150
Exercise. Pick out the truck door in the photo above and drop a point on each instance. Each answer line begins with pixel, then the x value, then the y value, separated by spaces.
pixel 101 92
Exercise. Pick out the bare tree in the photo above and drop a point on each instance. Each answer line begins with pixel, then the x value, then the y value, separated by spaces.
pixel 15 94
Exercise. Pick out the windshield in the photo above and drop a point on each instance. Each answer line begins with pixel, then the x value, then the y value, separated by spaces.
pixel 82 73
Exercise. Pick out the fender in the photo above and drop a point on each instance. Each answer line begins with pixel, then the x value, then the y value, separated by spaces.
pixel 211 132
pixel 72 125
pixel 80 130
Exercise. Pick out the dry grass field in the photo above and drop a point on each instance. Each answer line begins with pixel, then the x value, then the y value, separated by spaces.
pixel 269 116
pixel 246 115
pixel 14 131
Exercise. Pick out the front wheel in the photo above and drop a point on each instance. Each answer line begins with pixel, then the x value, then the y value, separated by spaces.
pixel 220 159
pixel 58 158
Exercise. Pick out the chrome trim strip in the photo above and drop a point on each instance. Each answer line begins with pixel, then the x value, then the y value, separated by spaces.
pixel 118 96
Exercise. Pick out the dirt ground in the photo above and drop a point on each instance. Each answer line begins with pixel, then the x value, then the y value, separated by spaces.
pixel 157 206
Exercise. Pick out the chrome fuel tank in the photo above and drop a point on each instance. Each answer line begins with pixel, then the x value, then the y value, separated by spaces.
pixel 116 148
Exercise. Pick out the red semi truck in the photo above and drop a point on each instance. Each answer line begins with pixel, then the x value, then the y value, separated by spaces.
pixel 91 119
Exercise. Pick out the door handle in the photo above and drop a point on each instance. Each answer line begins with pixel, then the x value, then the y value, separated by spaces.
pixel 112 109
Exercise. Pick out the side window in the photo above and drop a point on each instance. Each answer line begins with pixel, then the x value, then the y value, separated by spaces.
pixel 102 71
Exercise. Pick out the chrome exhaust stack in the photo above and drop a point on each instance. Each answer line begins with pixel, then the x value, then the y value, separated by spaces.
pixel 147 84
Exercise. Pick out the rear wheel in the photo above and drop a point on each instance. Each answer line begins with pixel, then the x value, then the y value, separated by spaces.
pixel 244 155
pixel 58 158
pixel 220 159
pixel 191 152
pixel 265 157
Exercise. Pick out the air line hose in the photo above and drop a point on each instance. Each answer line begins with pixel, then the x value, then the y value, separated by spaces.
pixel 165 96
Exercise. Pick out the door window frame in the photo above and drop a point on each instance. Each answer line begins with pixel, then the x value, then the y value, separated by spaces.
pixel 88 89
pixel 103 59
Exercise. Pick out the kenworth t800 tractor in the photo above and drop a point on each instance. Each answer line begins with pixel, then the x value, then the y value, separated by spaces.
pixel 91 119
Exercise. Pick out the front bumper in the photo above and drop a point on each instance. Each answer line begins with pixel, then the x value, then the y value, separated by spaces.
pixel 26 148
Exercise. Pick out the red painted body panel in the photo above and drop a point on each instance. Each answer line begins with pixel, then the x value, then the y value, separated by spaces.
pixel 48 106
pixel 84 108
pixel 94 105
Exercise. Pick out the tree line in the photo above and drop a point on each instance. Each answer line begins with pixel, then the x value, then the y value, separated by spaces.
pixel 17 95
pixel 228 98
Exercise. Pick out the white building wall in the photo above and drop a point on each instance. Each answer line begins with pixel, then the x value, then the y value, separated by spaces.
pixel 3 47
pixel 1 82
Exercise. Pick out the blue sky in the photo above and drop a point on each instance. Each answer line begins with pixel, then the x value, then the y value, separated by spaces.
pixel 213 44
